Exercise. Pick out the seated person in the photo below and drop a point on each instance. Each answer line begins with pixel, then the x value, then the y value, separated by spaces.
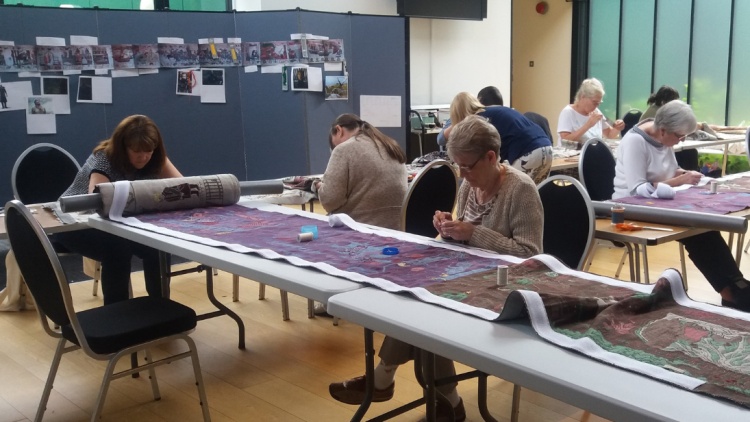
pixel 134 152
pixel 524 143
pixel 366 176
pixel 645 155
pixel 498 209
pixel 582 120
pixel 664 95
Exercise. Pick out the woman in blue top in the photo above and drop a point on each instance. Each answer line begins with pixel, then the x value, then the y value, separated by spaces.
pixel 524 144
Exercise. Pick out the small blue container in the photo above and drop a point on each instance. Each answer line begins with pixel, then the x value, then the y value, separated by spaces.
pixel 310 229
pixel 390 251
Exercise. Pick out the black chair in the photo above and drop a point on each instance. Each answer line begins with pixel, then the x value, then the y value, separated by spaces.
pixel 541 121
pixel 568 220
pixel 104 333
pixel 42 173
pixel 435 188
pixel 597 169
pixel 631 118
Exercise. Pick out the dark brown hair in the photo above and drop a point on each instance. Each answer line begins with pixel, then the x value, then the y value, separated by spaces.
pixel 664 95
pixel 351 122
pixel 140 134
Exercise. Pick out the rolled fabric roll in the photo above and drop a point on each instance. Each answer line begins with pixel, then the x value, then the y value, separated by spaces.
pixel 700 220
pixel 147 196
pixel 305 237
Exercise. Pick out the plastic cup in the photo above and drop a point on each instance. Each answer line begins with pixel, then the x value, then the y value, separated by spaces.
pixel 310 229
pixel 618 214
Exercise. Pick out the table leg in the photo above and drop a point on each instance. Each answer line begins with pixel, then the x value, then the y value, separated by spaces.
pixel 428 368
pixel 235 288
pixel 516 407
pixel 303 207
pixel 682 266
pixel 223 310
pixel 731 240
pixel 726 158
pixel 637 254
pixel 645 266
pixel 740 241
pixel 310 308
pixel 369 377
pixel 631 261
pixel 482 399
pixel 312 205
pixel 165 268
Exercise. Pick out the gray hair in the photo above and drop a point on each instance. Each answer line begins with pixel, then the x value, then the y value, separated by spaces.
pixel 589 88
pixel 474 135
pixel 676 116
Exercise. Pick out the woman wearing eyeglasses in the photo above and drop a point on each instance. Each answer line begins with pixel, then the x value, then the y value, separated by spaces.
pixel 645 156
pixel 582 120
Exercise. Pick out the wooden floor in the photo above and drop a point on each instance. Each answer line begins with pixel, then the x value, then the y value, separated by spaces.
pixel 282 376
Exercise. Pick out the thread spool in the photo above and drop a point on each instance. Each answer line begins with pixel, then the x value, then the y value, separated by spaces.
pixel 305 237
pixel 502 275
pixel 713 185
pixel 618 214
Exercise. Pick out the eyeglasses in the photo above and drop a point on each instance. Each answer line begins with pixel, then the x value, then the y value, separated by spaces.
pixel 468 169
pixel 680 138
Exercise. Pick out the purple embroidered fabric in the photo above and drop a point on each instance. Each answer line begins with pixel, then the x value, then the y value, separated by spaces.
pixel 697 199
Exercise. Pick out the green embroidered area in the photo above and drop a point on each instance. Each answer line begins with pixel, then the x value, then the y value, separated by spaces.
pixel 524 282
pixel 457 296
pixel 739 390
pixel 551 274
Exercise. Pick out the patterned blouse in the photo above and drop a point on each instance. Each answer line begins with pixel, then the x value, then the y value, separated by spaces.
pixel 96 163
pixel 475 211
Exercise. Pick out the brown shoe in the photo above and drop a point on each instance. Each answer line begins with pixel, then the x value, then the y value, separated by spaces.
pixel 441 414
pixel 353 391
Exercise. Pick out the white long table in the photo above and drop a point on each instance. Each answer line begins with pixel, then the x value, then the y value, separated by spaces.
pixel 514 352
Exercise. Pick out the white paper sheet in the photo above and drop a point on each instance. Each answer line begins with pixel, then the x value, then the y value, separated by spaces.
pixel 40 123
pixel 205 40
pixel 27 74
pixel 274 68
pixel 101 71
pixel 97 90
pixel 51 85
pixel 124 73
pixel 54 41
pixel 7 43
pixel 251 69
pixel 308 36
pixel 194 90
pixel 147 71
pixel 234 40
pixel 71 72
pixel 212 86
pixel 380 110
pixel 17 93
pixel 83 40
pixel 332 67
pixel 314 79
pixel 170 40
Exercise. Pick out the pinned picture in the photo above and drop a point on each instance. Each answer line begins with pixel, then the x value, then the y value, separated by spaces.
pixel 178 55
pixel 13 95
pixel 334 50
pixel 299 78
pixel 307 79
pixel 16 58
pixel 40 115
pixel 123 56
pixel 6 58
pixel 225 56
pixel 189 82
pixel 50 57
pixel 102 56
pixel 83 57
pixel 273 52
pixel 294 52
pixel 316 51
pixel 94 89
pixel 250 53
pixel 146 56
pixel 212 86
pixel 56 87
pixel 337 88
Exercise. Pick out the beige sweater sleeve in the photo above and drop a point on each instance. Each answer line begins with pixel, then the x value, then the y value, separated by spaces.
pixel 333 191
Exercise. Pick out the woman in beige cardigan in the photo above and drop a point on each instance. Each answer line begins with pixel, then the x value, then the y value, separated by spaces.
pixel 498 209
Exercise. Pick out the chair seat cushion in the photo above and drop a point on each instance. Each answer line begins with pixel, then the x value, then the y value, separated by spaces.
pixel 109 329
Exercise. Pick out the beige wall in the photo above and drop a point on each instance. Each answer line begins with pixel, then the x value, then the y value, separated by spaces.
pixel 545 40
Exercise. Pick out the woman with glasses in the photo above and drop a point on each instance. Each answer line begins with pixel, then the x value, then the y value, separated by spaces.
pixel 645 155
pixel 582 120
pixel 498 209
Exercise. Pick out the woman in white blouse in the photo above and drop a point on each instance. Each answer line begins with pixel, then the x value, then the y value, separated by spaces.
pixel 582 120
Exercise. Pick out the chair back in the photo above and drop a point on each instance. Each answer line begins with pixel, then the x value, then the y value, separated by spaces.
pixel 42 173
pixel 39 264
pixel 631 118
pixel 541 121
pixel 568 220
pixel 596 168
pixel 747 144
pixel 435 188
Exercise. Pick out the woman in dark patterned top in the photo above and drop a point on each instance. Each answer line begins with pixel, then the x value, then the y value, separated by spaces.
pixel 134 152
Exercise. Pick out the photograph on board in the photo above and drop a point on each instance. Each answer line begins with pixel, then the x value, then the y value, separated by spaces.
pixel 224 56
pixel 294 52
pixel 85 92
pixel 146 56
pixel 188 82
pixel 299 78
pixel 102 56
pixel 15 58
pixel 40 105
pixel 250 53
pixel 178 55
pixel 316 51
pixel 50 58
pixel 273 52
pixel 83 57
pixel 55 86
pixel 334 50
pixel 337 88
pixel 123 57
pixel 212 77
pixel 13 95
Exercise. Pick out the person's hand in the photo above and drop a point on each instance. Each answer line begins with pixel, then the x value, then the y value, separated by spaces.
pixel 690 178
pixel 594 118
pixel 619 125
pixel 440 218
pixel 458 230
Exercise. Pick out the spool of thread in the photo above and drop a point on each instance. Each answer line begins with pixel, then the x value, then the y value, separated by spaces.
pixel 618 214
pixel 713 185
pixel 502 275
pixel 305 237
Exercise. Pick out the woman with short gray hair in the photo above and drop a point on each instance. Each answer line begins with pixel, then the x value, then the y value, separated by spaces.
pixel 645 157
pixel 582 120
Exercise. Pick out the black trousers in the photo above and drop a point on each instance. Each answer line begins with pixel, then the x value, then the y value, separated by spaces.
pixel 115 254
pixel 710 253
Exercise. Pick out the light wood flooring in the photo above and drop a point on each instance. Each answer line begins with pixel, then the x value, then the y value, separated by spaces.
pixel 282 376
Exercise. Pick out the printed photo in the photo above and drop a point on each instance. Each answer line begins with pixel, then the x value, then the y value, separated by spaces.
pixel 3 97
pixel 250 53
pixel 123 56
pixel 299 78
pixel 294 52
pixel 85 92
pixel 212 77
pixel 316 51
pixel 146 56
pixel 6 59
pixel 187 82
pixel 40 105
pixel 337 88
pixel 334 50
pixel 50 58
pixel 82 56
pixel 54 86
pixel 102 56
pixel 178 55
pixel 225 57
pixel 273 52
pixel 15 58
